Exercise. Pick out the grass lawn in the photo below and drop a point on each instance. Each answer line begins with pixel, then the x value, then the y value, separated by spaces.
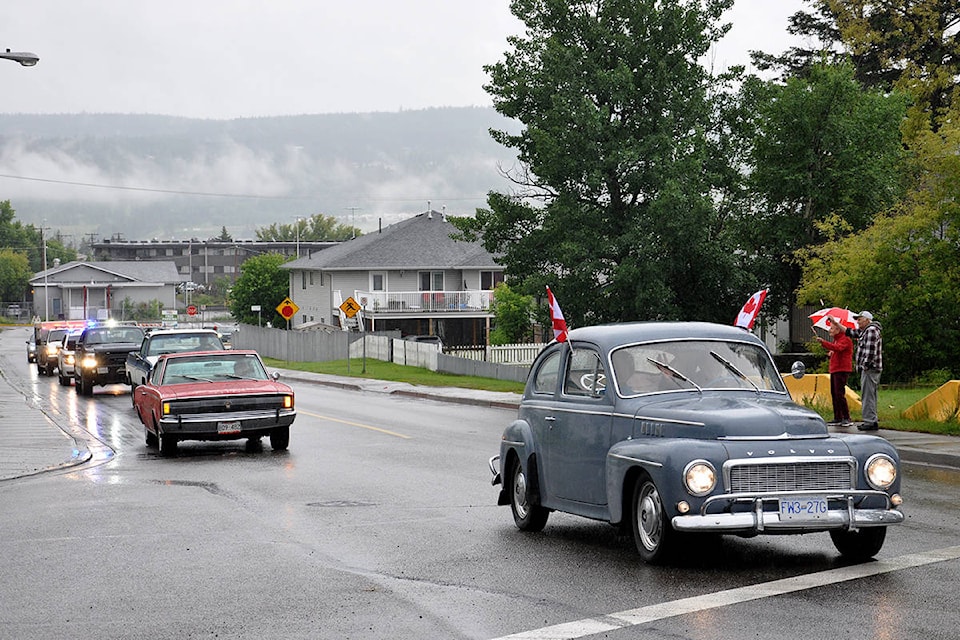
pixel 891 403
pixel 379 370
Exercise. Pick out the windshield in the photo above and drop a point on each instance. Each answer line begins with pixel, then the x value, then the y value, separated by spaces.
pixel 210 368
pixel 693 364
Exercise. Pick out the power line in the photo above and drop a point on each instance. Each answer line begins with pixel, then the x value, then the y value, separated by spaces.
pixel 214 194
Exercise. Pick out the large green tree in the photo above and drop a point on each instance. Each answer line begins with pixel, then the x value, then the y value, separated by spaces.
pixel 30 240
pixel 614 205
pixel 905 267
pixel 909 45
pixel 316 228
pixel 262 282
pixel 824 147
pixel 15 274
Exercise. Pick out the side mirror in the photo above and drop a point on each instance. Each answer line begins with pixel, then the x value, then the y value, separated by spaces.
pixel 798 369
pixel 275 375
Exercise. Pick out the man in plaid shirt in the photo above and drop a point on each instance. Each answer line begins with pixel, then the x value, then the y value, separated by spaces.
pixel 870 364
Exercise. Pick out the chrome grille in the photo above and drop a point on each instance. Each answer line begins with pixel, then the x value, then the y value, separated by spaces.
pixel 227 403
pixel 801 475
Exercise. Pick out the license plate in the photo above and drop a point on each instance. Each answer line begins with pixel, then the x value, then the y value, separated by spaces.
pixel 103 369
pixel 803 508
pixel 228 427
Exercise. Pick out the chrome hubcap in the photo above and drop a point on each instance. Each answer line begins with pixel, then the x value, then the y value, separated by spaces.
pixel 649 523
pixel 520 494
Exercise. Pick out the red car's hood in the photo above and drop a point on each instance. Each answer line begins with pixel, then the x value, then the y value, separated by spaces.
pixel 226 388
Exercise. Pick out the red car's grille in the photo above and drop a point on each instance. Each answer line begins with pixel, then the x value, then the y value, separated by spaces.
pixel 226 404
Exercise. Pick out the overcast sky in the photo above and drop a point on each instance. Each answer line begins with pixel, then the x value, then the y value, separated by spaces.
pixel 245 58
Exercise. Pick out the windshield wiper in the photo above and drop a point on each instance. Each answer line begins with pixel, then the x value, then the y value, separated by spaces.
pixel 670 372
pixel 197 378
pixel 733 369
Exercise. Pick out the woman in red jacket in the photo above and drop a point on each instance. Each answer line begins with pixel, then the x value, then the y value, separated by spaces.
pixel 841 364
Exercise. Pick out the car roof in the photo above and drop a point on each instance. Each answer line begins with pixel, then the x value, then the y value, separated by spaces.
pixel 608 336
pixel 183 332
pixel 226 353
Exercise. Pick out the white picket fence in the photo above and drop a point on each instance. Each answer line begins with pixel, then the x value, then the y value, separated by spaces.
pixel 518 354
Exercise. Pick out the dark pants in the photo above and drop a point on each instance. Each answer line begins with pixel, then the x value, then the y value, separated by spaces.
pixel 838 393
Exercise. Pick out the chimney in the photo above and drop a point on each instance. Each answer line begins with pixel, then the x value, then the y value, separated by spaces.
pixel 443 213
pixel 429 211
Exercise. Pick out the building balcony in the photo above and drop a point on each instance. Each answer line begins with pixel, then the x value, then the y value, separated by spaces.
pixel 408 303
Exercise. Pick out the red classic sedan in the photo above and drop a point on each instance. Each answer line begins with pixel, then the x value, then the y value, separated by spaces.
pixel 213 395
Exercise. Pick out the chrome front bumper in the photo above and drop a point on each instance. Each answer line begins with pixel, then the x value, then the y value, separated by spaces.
pixel 757 520
pixel 495 470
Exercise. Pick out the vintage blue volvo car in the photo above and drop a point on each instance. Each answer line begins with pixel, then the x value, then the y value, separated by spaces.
pixel 670 430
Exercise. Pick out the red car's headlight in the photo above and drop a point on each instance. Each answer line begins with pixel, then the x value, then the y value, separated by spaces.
pixel 288 402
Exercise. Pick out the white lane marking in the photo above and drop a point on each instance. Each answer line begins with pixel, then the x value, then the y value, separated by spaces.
pixel 651 613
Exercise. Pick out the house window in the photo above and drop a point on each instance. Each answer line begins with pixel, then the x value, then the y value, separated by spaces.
pixel 303 280
pixel 431 280
pixel 490 279
pixel 311 278
pixel 378 281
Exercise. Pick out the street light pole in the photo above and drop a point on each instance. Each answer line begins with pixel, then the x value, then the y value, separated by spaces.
pixel 25 58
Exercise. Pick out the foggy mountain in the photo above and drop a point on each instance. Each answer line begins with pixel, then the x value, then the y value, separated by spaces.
pixel 148 176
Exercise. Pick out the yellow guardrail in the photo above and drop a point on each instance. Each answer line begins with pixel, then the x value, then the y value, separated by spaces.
pixel 814 389
pixel 940 405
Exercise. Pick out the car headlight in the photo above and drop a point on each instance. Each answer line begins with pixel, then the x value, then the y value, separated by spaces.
pixel 881 471
pixel 51 349
pixel 68 359
pixel 288 402
pixel 88 362
pixel 699 477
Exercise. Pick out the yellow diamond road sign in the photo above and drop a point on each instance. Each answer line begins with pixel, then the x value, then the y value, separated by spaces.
pixel 288 308
pixel 350 307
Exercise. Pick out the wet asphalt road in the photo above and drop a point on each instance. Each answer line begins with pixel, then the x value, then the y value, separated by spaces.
pixel 380 522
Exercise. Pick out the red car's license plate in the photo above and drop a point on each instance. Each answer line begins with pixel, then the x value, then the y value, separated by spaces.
pixel 228 427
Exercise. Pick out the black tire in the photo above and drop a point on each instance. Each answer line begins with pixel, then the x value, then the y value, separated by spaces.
pixel 64 380
pixel 168 444
pixel 48 370
pixel 133 397
pixel 280 438
pixel 652 532
pixel 859 545
pixel 526 515
pixel 85 386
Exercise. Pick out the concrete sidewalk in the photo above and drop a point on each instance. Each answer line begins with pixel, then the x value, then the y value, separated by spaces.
pixel 34 443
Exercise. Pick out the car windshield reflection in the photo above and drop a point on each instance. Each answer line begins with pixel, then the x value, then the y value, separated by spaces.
pixel 183 370
pixel 693 365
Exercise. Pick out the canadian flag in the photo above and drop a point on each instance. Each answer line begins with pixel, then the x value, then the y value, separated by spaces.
pixel 556 319
pixel 750 310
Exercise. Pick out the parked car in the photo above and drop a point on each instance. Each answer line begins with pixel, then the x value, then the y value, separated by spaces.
pixel 666 429
pixel 14 311
pixel 213 395
pixel 160 341
pixel 66 358
pixel 31 350
pixel 434 340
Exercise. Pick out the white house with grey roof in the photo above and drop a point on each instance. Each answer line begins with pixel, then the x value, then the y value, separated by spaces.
pixel 96 290
pixel 411 276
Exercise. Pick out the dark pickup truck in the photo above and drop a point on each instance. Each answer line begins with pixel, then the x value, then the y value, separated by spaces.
pixel 101 356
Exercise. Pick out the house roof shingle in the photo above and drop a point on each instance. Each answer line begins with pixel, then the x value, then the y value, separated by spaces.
pixel 420 242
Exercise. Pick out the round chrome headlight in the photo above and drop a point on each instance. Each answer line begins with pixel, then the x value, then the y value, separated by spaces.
pixel 699 478
pixel 881 471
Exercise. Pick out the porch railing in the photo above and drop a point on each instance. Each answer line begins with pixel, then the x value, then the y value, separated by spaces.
pixel 374 302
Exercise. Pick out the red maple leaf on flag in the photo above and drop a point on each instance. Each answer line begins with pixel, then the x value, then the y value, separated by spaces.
pixel 748 314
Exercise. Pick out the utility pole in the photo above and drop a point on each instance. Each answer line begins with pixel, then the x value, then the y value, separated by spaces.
pixel 46 289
